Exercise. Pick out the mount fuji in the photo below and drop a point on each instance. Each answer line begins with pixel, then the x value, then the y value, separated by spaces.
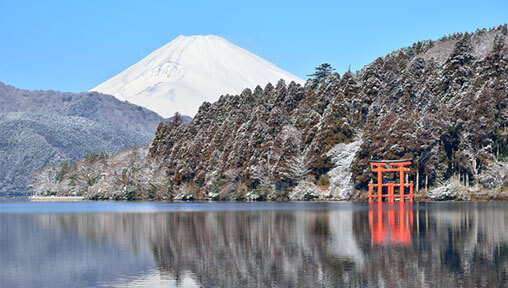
pixel 181 75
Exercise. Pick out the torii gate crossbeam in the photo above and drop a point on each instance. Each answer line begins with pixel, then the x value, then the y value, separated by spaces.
pixel 396 166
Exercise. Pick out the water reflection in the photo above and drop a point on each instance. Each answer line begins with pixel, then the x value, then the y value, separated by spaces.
pixel 391 223
pixel 244 249
pixel 458 244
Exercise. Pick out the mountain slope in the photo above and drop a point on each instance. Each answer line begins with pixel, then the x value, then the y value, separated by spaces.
pixel 443 103
pixel 38 128
pixel 90 105
pixel 188 71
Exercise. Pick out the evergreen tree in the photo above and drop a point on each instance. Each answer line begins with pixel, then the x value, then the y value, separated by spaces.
pixel 177 118
pixel 322 71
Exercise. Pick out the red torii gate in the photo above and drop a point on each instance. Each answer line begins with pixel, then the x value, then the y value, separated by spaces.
pixel 381 166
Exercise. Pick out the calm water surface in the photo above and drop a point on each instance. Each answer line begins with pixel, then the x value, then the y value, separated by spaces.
pixel 253 245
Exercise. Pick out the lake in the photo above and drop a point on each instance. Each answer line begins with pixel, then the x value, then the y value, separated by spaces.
pixel 296 244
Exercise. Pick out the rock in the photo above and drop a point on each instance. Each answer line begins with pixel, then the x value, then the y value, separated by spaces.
pixel 453 190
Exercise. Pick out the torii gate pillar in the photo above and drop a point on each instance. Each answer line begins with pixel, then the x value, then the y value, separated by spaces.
pixel 397 166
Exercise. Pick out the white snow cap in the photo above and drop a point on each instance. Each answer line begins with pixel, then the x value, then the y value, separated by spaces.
pixel 189 70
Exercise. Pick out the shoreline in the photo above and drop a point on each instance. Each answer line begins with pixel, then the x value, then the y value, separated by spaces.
pixel 56 198
pixel 357 200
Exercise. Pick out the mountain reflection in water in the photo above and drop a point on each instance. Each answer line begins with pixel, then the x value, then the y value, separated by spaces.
pixel 292 245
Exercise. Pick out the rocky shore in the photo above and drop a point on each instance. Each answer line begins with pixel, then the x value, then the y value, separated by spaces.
pixel 129 176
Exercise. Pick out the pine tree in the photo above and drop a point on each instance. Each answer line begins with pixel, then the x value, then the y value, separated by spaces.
pixel 322 71
pixel 177 118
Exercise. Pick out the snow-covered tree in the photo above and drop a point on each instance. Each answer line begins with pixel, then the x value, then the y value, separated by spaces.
pixel 322 71
pixel 298 167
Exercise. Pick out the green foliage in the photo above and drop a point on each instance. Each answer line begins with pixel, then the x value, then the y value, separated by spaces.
pixel 49 193
pixel 308 196
pixel 422 46
pixel 91 179
pixel 241 190
pixel 217 183
pixel 73 179
pixel 168 189
pixel 262 192
pixel 96 156
pixel 177 118
pixel 402 110
pixel 126 176
pixel 64 169
pixel 503 155
pixel 323 181
pixel 129 193
pixel 322 71
pixel 336 136
pixel 335 132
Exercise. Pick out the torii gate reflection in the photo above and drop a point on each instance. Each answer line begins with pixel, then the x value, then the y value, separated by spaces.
pixel 391 223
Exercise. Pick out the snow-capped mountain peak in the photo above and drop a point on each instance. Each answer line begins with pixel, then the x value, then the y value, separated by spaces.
pixel 189 70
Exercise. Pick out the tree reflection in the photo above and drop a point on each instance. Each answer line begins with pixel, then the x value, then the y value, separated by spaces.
pixel 407 245
pixel 253 248
pixel 389 245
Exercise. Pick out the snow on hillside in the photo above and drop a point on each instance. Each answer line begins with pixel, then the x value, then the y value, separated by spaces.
pixel 187 71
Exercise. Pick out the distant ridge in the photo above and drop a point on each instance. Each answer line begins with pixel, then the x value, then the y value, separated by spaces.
pixel 38 128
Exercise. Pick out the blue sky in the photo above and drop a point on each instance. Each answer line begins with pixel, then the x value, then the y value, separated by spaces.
pixel 75 45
